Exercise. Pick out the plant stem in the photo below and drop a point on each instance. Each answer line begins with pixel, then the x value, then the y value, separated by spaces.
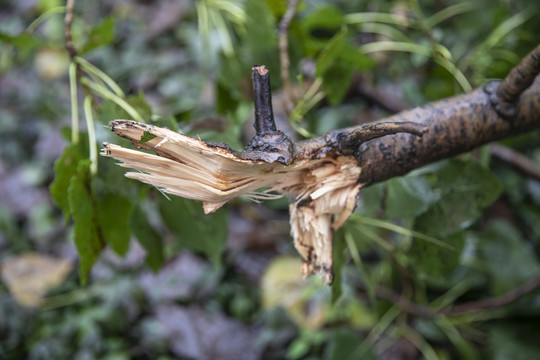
pixel 91 134
pixel 74 103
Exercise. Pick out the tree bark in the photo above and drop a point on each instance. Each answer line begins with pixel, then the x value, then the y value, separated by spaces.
pixel 452 126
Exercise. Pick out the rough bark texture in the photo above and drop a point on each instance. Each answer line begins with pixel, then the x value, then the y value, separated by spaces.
pixel 454 125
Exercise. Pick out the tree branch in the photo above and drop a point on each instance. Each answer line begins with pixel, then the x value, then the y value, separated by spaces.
pixel 520 78
pixel 522 163
pixel 465 308
pixel 453 126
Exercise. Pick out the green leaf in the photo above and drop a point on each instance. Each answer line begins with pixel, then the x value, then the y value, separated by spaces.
pixel 323 22
pixel 509 259
pixel 101 34
pixel 408 197
pixel 344 345
pixel 146 137
pixel 113 215
pixel 195 231
pixel 64 169
pixel 466 189
pixel 336 64
pixel 331 52
pixel 436 264
pixel 139 103
pixel 336 82
pixel 149 238
pixel 86 229
pixel 24 42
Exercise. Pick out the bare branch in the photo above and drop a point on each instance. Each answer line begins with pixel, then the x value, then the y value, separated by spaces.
pixel 516 159
pixel 465 308
pixel 496 302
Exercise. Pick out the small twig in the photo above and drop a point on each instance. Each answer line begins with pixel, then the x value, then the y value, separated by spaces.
pixel 516 159
pixel 68 21
pixel 485 304
pixel 505 95
pixel 269 144
pixel 497 301
pixel 262 97
pixel 284 52
pixel 375 130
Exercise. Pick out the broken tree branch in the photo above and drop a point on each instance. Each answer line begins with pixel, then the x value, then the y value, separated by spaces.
pixel 323 175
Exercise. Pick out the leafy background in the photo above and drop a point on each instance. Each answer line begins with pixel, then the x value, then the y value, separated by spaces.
pixel 104 267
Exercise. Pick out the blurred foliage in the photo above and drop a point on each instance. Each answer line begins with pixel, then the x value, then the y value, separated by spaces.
pixel 163 280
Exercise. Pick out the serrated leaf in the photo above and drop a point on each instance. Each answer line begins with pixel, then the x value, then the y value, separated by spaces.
pixel 101 34
pixel 113 215
pixel 466 189
pixel 64 169
pixel 149 238
pixel 87 237
pixel 206 234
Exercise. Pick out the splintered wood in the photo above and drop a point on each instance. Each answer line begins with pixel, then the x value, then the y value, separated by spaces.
pixel 323 191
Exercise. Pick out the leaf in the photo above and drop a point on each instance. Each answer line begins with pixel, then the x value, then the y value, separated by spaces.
pixel 336 64
pixel 344 345
pixel 64 169
pixel 436 264
pixel 146 137
pixel 509 259
pixel 466 189
pixel 408 197
pixel 29 276
pixel 206 234
pixel 149 238
pixel 139 103
pixel 87 237
pixel 331 52
pixel 323 22
pixel 113 215
pixel 101 34
pixel 24 42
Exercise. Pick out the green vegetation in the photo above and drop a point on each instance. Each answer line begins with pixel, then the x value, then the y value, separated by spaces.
pixel 157 279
